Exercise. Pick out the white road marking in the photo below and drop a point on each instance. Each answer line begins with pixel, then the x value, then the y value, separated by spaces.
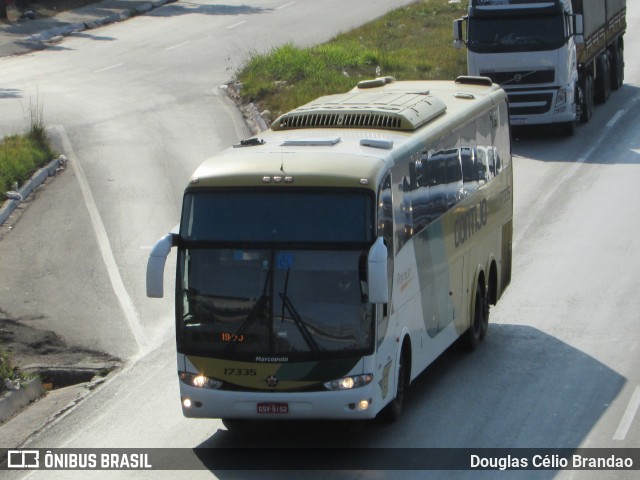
pixel 629 415
pixel 285 5
pixel 541 203
pixel 236 25
pixel 615 118
pixel 111 67
pixel 105 247
pixel 178 45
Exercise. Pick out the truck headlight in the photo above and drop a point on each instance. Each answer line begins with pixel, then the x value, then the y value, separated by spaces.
pixel 561 99
pixel 347 383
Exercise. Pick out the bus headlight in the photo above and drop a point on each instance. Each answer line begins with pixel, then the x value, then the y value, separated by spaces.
pixel 347 383
pixel 200 381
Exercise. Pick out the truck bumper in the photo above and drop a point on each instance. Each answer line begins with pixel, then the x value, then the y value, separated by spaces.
pixel 543 106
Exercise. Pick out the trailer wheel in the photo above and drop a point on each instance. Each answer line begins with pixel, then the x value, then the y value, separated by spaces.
pixel 603 79
pixel 586 102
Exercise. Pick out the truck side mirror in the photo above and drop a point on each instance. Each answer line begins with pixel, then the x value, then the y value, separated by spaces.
pixel 457 33
pixel 155 266
pixel 377 278
pixel 578 29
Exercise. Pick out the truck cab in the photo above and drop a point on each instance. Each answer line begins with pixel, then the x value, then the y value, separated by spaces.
pixel 529 49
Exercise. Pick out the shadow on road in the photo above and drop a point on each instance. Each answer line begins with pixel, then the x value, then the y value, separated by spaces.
pixel 623 108
pixel 521 389
pixel 187 8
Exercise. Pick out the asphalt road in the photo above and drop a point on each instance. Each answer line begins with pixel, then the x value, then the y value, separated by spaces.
pixel 137 105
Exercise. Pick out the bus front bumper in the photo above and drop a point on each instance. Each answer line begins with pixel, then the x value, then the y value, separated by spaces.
pixel 356 404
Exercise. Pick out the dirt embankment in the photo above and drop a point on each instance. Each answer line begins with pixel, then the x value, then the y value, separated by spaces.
pixel 44 352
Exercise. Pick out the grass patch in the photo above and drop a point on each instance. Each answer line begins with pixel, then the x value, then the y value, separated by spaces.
pixel 411 43
pixel 9 371
pixel 22 155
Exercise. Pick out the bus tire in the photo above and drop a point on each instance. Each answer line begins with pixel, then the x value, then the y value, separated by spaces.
pixel 237 425
pixel 393 411
pixel 478 329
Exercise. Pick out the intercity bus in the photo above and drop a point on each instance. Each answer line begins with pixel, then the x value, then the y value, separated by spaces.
pixel 326 262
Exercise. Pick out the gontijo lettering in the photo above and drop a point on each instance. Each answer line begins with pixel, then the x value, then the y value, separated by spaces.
pixel 470 221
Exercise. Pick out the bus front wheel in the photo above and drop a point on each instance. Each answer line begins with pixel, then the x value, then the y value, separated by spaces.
pixel 393 410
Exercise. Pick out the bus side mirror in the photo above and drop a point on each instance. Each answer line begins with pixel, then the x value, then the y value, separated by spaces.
pixel 377 279
pixel 155 266
pixel 457 33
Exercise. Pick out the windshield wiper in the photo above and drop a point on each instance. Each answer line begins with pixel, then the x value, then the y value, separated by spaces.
pixel 253 314
pixel 297 319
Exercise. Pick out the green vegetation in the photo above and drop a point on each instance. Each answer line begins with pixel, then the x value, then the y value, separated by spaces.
pixel 9 371
pixel 411 43
pixel 21 155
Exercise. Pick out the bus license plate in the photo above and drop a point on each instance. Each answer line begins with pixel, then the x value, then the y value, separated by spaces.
pixel 273 408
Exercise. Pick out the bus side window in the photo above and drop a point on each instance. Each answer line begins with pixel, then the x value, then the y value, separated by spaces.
pixel 454 177
pixel 483 165
pixel 385 213
pixel 469 170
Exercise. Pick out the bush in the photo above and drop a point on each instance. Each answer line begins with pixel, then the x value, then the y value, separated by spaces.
pixel 22 155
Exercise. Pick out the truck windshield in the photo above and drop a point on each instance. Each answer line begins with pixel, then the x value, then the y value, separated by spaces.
pixel 516 34
pixel 267 274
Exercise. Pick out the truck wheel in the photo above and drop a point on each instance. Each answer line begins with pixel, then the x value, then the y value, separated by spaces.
pixel 586 110
pixel 617 68
pixel 603 79
pixel 568 128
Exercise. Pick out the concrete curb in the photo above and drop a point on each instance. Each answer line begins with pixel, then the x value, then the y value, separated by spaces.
pixel 15 400
pixel 70 28
pixel 35 181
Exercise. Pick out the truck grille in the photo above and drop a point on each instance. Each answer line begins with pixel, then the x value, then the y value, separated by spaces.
pixel 525 77
pixel 530 103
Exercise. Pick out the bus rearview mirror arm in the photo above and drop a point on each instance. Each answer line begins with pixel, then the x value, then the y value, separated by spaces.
pixel 156 263
pixel 377 279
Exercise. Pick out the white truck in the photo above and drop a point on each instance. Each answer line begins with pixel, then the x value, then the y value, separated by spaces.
pixel 554 58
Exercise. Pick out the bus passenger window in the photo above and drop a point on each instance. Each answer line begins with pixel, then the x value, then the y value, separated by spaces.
pixel 469 170
pixel 385 213
pixel 483 165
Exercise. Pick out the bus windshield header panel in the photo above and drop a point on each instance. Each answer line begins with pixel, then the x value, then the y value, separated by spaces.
pixel 278 217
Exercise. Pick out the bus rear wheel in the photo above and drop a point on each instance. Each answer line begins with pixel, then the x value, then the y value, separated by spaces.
pixel 480 325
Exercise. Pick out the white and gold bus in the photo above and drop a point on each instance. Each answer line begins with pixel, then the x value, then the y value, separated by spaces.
pixel 325 263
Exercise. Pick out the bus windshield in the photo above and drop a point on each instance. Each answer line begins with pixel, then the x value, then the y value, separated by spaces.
pixel 515 34
pixel 274 275
pixel 249 303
